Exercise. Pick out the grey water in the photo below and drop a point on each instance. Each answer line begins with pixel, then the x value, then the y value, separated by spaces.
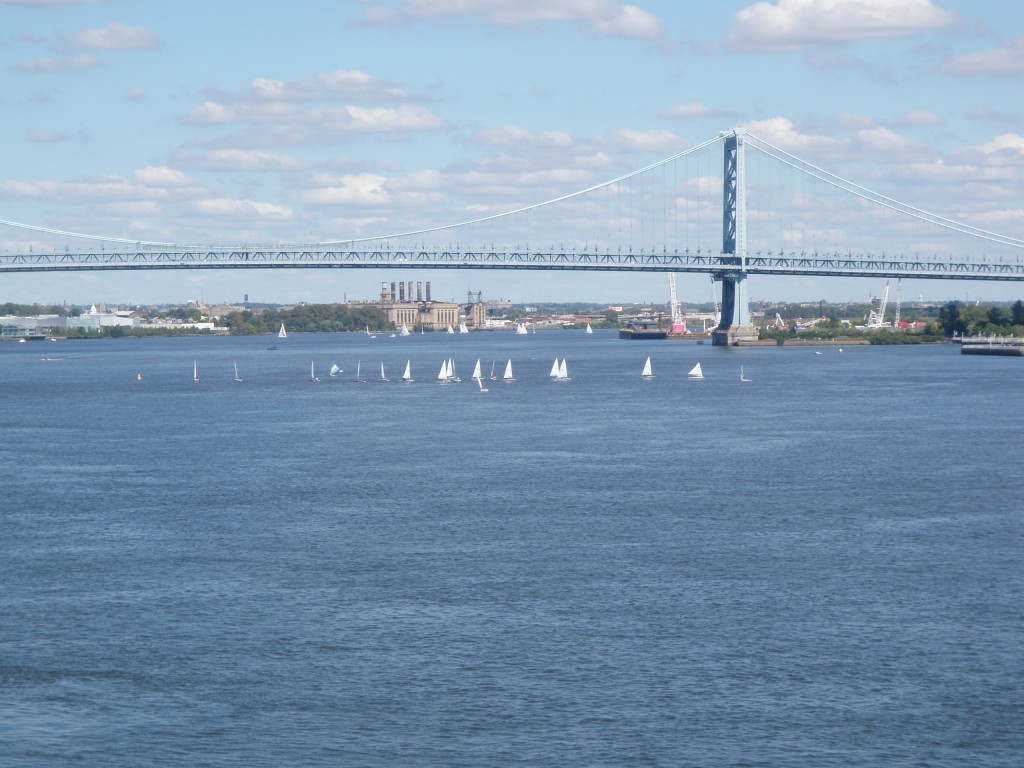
pixel 819 567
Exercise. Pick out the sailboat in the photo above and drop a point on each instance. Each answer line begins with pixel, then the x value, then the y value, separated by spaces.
pixel 407 376
pixel 451 371
pixel 647 373
pixel 443 376
pixel 450 329
pixel 493 377
pixel 195 371
pixel 383 376
pixel 477 373
pixel 312 372
pixel 742 377
pixel 589 329
pixel 463 328
pixel 482 387
pixel 237 377
pixel 563 372
pixel 521 329
pixel 404 331
pixel 554 369
pixel 369 334
pixel 508 372
pixel 696 372
pixel 335 370
pixel 359 369
pixel 282 334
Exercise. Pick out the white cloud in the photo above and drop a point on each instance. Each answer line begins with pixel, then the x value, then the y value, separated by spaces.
pixel 883 140
pixel 116 37
pixel 231 208
pixel 1006 142
pixel 797 24
pixel 1005 61
pixel 361 189
pixel 47 3
pixel 298 125
pixel 654 140
pixel 512 136
pixel 781 132
pixel 604 17
pixel 689 111
pixel 46 64
pixel 134 94
pixel 244 160
pixel 47 137
pixel 160 176
pixel 337 84
pixel 917 117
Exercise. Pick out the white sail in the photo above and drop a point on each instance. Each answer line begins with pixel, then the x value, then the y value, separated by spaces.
pixel 648 372
pixel 237 377
pixel 742 377
pixel 282 334
pixel 450 329
pixel 589 329
pixel 493 377
pixel 407 376
pixel 696 372
pixel 404 331
pixel 563 371
pixel 383 376
pixel 463 328
pixel 442 375
pixel 451 371
pixel 195 371
pixel 482 387
pixel 508 371
pixel 312 371
pixel 477 374
pixel 521 329
pixel 554 369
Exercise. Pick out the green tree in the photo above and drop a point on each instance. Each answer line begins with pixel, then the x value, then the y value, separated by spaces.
pixel 950 320
pixel 1017 313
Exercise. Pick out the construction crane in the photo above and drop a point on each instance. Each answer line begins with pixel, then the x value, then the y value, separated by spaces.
pixel 896 318
pixel 714 303
pixel 678 323
pixel 877 319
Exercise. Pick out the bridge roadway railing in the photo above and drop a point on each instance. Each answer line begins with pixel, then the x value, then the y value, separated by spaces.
pixel 820 264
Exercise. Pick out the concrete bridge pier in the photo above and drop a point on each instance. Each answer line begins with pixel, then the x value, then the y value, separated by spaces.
pixel 734 328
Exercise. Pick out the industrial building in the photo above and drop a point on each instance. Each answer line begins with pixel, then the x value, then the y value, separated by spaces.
pixel 418 310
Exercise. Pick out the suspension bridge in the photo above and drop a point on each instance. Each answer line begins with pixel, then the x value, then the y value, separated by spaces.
pixel 733 207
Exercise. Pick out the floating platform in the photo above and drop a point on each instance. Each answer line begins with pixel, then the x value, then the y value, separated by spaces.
pixel 637 331
pixel 1010 348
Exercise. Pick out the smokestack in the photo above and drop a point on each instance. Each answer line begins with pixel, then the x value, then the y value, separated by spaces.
pixel 392 293
pixel 428 291
pixel 401 292
pixel 410 290
pixel 419 291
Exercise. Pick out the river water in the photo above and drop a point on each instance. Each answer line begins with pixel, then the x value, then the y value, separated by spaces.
pixel 819 567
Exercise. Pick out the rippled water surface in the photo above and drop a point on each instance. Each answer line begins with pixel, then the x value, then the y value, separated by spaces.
pixel 820 567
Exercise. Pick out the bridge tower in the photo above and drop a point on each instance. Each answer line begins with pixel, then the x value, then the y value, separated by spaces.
pixel 735 326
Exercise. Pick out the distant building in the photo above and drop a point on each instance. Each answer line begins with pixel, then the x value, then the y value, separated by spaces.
pixel 401 308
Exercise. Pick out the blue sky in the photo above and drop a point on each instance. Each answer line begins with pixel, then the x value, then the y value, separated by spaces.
pixel 253 121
